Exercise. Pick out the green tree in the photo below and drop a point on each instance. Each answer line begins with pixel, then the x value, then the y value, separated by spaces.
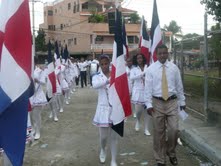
pixel 193 42
pixel 96 18
pixel 214 8
pixel 40 44
pixel 134 18
pixel 173 27
pixel 215 45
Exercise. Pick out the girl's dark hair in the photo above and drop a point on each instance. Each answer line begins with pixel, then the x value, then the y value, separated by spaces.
pixel 103 56
pixel 135 59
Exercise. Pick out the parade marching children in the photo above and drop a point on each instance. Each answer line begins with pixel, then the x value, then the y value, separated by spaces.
pixel 51 98
pixel 37 100
pixel 137 75
pixel 74 73
pixel 129 67
pixel 101 119
pixel 58 94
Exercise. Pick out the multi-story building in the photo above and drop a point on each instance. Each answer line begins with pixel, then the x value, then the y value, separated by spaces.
pixel 67 21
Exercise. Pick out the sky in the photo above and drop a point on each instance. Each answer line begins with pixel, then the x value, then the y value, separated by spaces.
pixel 189 14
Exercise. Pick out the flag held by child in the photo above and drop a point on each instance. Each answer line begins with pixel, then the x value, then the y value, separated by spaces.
pixel 119 92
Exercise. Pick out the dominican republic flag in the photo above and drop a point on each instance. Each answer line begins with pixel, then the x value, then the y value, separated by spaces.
pixel 144 43
pixel 155 32
pixel 15 77
pixel 51 73
pixel 57 55
pixel 125 40
pixel 119 92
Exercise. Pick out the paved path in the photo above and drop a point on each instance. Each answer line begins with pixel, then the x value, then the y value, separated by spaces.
pixel 73 140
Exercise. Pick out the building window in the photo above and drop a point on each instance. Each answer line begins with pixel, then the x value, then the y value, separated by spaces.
pixel 44 13
pixel 51 27
pixel 69 6
pixel 99 38
pixel 70 41
pixel 74 9
pixel 55 11
pixel 75 41
pixel 50 12
pixel 136 39
pixel 130 39
pixel 78 6
pixel 85 6
pixel 61 26
pixel 91 39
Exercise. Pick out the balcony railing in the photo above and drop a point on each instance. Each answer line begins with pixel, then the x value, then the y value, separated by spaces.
pixel 110 46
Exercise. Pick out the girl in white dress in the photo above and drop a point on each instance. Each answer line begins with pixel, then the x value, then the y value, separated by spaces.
pixel 129 67
pixel 63 83
pixel 58 94
pixel 137 75
pixel 38 100
pixel 100 81
pixel 51 97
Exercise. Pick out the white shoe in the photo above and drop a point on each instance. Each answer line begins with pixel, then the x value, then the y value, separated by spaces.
pixel 137 126
pixel 179 141
pixel 147 133
pixel 37 135
pixel 55 118
pixel 61 110
pixel 102 156
pixel 67 102
pixel 135 115
pixel 50 116
pixel 69 98
pixel 74 90
pixel 113 163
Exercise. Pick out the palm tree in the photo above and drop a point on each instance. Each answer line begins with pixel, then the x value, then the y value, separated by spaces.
pixel 173 27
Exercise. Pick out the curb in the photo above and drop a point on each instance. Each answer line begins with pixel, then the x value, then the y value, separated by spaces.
pixel 194 140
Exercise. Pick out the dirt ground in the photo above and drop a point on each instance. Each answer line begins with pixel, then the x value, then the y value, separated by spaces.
pixel 73 140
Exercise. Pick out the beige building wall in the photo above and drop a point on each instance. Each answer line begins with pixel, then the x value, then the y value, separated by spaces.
pixel 66 22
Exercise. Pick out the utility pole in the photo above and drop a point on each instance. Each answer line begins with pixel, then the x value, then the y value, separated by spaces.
pixel 205 108
pixel 182 61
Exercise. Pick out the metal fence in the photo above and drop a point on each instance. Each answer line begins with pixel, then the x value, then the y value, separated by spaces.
pixel 201 76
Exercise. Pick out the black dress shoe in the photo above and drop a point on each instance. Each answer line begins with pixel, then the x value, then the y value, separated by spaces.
pixel 160 164
pixel 173 161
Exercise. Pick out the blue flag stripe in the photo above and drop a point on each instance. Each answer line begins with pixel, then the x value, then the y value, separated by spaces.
pixel 118 37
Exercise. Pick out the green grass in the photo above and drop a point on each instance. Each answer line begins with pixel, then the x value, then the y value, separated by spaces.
pixel 195 86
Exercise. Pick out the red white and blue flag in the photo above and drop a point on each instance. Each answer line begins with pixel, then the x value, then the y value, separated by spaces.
pixel 155 32
pixel 119 92
pixel 125 40
pixel 51 68
pixel 15 77
pixel 144 43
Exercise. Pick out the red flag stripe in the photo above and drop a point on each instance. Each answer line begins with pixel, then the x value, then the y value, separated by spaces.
pixel 121 84
pixel 16 36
